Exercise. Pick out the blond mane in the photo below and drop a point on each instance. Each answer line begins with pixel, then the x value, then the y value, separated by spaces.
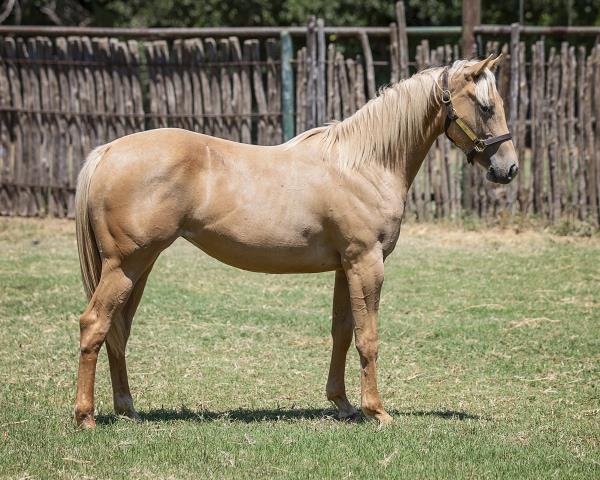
pixel 384 129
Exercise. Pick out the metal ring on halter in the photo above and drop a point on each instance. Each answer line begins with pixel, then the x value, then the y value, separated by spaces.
pixel 480 145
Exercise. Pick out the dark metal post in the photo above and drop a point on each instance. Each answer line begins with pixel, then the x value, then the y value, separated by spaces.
pixel 287 86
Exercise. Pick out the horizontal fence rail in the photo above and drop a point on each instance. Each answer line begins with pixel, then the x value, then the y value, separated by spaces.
pixel 535 30
pixel 171 33
pixel 262 32
pixel 65 90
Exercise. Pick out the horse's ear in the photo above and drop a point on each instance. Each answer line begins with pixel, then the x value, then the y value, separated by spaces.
pixel 472 72
pixel 496 61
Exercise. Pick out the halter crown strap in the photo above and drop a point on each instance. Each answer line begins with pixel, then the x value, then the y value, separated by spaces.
pixel 479 144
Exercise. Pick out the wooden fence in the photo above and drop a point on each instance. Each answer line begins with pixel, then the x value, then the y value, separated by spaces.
pixel 62 95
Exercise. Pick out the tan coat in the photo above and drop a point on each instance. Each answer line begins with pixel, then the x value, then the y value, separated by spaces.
pixel 332 199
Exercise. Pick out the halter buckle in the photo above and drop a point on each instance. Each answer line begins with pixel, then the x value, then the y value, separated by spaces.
pixel 446 97
pixel 480 145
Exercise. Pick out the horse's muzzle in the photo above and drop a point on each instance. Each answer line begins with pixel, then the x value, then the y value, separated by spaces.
pixel 493 175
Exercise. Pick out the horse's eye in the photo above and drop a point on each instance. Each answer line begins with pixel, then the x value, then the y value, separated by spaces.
pixel 486 109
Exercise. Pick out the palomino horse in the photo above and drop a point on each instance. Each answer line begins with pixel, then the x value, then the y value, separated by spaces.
pixel 330 199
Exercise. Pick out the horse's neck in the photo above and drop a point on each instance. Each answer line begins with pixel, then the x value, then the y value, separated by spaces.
pixel 410 156
pixel 396 154
pixel 394 181
pixel 415 154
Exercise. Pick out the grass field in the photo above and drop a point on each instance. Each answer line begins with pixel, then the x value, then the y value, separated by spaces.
pixel 489 362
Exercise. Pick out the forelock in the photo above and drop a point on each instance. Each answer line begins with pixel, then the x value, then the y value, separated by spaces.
pixel 485 86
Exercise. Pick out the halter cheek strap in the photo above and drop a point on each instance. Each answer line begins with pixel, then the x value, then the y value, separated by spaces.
pixel 478 144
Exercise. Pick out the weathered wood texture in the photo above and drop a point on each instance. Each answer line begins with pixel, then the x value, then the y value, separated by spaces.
pixel 60 97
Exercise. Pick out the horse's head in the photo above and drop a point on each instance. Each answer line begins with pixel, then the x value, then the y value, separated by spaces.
pixel 475 119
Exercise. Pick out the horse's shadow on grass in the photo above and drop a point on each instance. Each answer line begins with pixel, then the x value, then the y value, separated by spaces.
pixel 273 415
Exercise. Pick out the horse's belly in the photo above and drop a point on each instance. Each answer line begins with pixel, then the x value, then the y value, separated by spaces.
pixel 267 255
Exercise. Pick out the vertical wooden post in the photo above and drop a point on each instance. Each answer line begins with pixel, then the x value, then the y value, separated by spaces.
pixel 402 40
pixel 226 102
pixel 246 133
pixel 563 170
pixel 514 75
pixel 237 96
pixel 287 86
pixel 394 54
pixel 301 90
pixel 273 93
pixel 513 100
pixel 364 40
pixel 581 171
pixel 553 83
pixel 331 82
pixel 259 93
pixel 571 135
pixel 360 82
pixel 347 109
pixel 539 153
pixel 235 52
pixel 351 74
pixel 471 18
pixel 596 114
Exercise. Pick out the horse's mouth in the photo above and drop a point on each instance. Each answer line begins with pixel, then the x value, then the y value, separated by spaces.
pixel 492 176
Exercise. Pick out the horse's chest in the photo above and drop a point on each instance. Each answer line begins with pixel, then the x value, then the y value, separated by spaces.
pixel 390 232
pixel 389 239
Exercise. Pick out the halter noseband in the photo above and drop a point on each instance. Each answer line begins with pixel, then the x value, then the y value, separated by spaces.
pixel 479 144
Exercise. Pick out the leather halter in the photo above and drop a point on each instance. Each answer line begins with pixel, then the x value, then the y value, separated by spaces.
pixel 479 144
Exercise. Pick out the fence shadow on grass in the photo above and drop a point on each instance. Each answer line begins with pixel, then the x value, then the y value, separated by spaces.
pixel 272 415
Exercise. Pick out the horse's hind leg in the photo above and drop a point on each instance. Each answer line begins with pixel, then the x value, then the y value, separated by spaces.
pixel 112 292
pixel 341 332
pixel 122 399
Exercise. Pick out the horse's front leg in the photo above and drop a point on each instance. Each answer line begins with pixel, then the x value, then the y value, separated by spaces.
pixel 365 278
pixel 341 333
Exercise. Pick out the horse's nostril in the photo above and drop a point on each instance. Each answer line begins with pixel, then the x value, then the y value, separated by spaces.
pixel 512 172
